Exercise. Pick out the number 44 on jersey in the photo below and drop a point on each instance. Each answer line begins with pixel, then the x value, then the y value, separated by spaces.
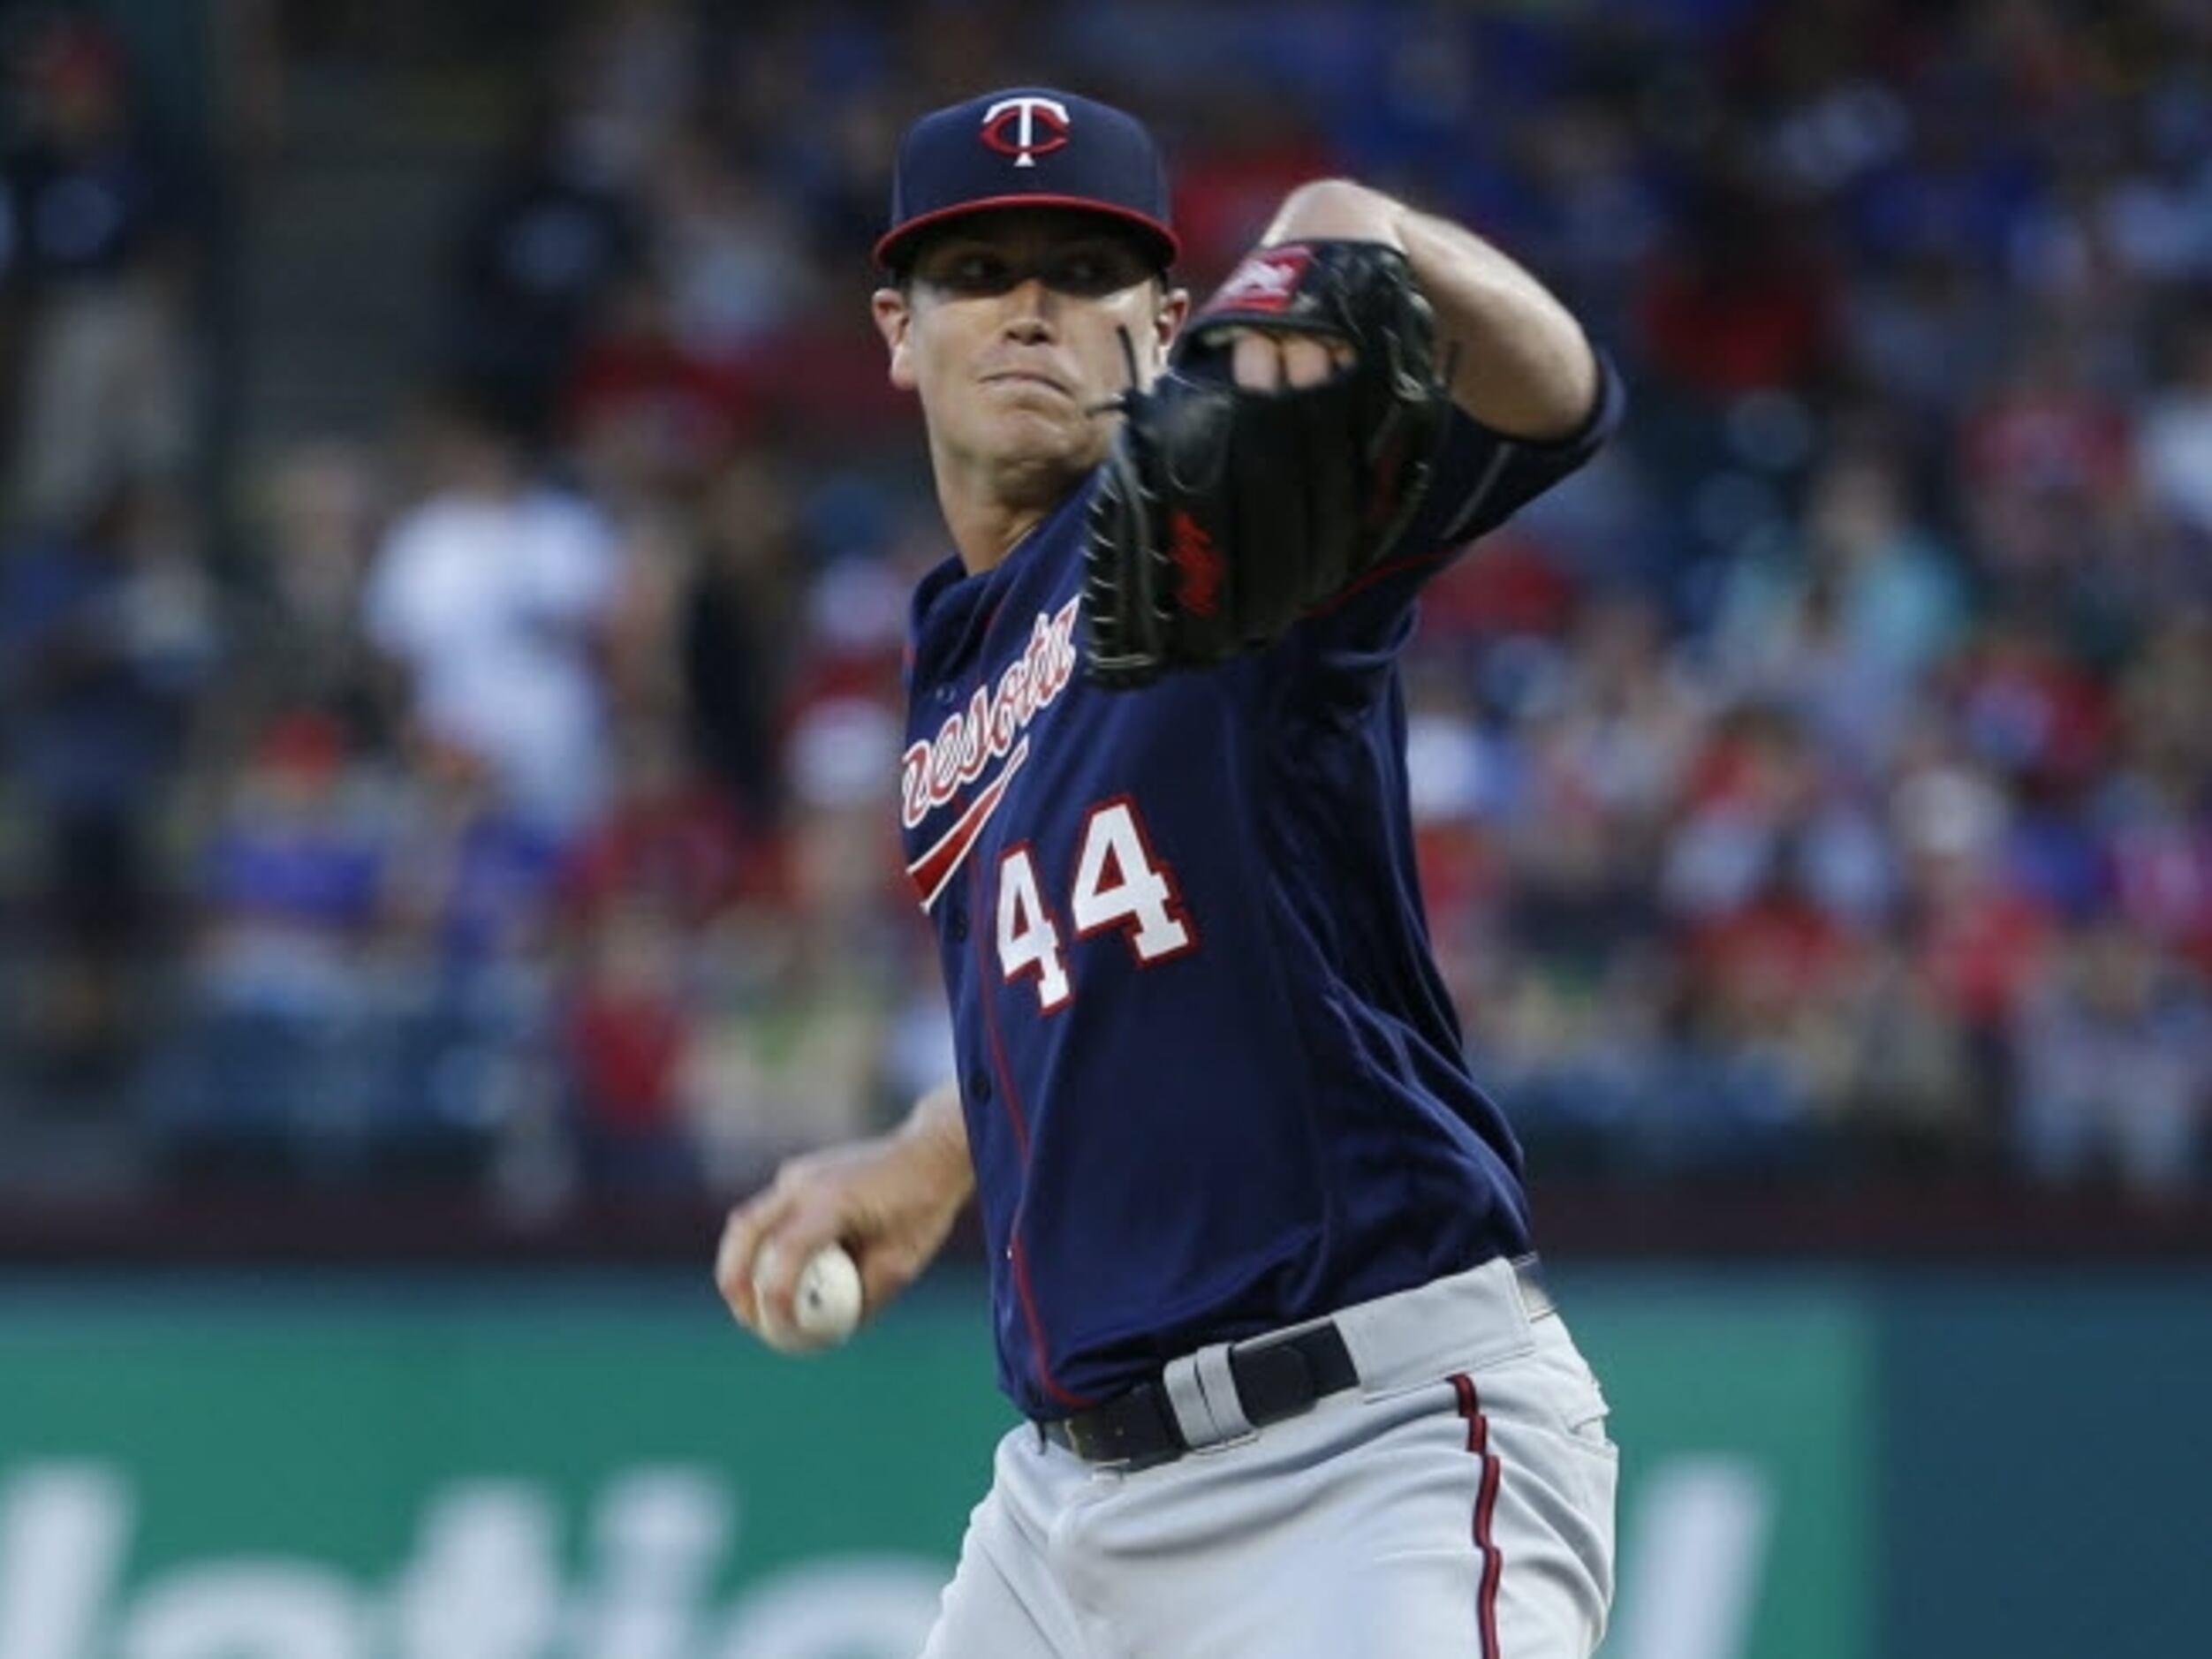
pixel 1118 884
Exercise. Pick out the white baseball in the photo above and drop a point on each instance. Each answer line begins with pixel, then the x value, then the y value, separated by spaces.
pixel 825 1306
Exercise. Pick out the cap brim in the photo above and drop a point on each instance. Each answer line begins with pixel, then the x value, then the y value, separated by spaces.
pixel 895 244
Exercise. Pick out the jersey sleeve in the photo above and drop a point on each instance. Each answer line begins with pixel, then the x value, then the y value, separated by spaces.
pixel 1483 478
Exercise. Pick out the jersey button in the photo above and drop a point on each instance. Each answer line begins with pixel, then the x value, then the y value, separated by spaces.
pixel 979 1085
pixel 956 924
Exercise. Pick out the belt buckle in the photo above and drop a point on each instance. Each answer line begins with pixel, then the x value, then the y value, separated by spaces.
pixel 1133 1430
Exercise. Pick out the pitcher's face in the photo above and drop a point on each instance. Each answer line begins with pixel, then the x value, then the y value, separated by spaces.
pixel 1011 329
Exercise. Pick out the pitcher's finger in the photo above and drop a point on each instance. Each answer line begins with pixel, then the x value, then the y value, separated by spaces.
pixel 735 1259
pixel 1256 361
pixel 1307 361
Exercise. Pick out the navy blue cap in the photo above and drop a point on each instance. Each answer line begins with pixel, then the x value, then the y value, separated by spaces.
pixel 1026 146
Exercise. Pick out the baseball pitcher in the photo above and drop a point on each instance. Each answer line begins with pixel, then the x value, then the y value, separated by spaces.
pixel 1265 1291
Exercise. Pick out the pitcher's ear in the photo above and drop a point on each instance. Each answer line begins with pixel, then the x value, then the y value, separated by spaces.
pixel 894 317
pixel 1167 320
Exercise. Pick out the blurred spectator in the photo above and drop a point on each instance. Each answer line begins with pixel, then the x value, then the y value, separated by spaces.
pixel 2047 428
pixel 1980 934
pixel 547 242
pixel 1921 331
pixel 1901 1085
pixel 626 73
pixel 1845 631
pixel 290 885
pixel 2176 448
pixel 106 630
pixel 1766 816
pixel 2115 1066
pixel 731 252
pixel 1580 785
pixel 489 593
pixel 737 632
pixel 1961 185
pixel 473 880
pixel 1597 209
pixel 647 413
pixel 2026 705
pixel 626 1031
pixel 666 844
pixel 288 898
pixel 94 251
pixel 795 1051
pixel 319 515
pixel 2156 835
pixel 1741 301
pixel 450 1059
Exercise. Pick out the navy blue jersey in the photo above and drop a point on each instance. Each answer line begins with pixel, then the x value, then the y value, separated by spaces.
pixel 1211 1079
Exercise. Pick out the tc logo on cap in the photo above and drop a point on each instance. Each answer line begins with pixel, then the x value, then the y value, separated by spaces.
pixel 989 152
pixel 1010 127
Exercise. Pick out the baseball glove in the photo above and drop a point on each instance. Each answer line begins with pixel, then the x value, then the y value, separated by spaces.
pixel 1223 514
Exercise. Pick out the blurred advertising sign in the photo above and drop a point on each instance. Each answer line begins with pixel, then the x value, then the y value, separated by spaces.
pixel 1750 1451
pixel 558 1472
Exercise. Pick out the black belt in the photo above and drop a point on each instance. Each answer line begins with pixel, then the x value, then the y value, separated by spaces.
pixel 1277 1378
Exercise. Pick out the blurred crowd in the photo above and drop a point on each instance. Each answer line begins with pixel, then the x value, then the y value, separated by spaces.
pixel 1822 780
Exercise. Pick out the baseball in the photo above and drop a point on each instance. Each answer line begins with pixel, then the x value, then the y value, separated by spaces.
pixel 826 1306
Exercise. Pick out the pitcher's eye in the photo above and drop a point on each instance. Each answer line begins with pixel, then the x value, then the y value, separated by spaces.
pixel 1094 272
pixel 975 271
pixel 1086 271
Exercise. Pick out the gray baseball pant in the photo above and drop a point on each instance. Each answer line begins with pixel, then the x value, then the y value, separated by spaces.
pixel 1458 1500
